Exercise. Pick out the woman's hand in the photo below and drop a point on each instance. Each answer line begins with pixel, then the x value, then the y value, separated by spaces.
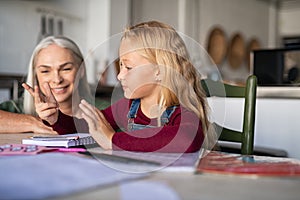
pixel 99 127
pixel 38 126
pixel 46 105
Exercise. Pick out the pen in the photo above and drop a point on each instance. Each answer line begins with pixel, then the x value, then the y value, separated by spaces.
pixel 71 150
pixel 47 138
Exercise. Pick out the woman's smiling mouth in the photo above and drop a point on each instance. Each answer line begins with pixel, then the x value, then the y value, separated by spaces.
pixel 59 90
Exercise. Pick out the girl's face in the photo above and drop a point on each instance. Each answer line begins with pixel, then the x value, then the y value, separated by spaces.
pixel 137 75
pixel 56 66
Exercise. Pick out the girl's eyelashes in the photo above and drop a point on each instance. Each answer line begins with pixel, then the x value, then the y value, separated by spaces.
pixel 122 65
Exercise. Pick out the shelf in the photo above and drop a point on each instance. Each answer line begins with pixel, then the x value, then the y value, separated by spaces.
pixel 292 92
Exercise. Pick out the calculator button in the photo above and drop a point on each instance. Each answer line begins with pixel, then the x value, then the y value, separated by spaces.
pixel 16 148
pixel 30 150
pixel 31 147
pixel 6 146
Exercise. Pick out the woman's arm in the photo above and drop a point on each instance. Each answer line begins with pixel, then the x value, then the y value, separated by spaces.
pixel 21 123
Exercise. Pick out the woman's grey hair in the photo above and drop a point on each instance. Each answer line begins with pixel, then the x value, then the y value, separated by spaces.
pixel 64 42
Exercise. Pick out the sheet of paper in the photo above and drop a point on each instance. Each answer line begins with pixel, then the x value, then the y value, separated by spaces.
pixel 184 162
pixel 147 190
pixel 54 174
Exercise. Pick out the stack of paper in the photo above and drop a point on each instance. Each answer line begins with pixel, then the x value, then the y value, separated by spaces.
pixel 69 140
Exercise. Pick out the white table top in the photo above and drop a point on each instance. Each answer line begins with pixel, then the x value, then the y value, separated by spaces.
pixel 187 185
pixel 208 186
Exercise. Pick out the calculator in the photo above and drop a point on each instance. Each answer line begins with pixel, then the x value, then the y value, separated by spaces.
pixel 22 149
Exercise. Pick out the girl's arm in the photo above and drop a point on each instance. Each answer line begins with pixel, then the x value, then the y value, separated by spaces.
pixel 183 134
pixel 99 127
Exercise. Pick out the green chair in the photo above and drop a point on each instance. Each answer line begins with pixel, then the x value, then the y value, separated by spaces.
pixel 246 136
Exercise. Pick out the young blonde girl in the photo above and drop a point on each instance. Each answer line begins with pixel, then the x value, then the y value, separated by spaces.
pixel 164 108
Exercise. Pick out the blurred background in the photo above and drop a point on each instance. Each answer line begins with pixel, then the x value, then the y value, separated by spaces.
pixel 243 24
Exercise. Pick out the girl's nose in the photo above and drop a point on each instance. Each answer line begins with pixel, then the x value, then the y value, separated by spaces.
pixel 121 74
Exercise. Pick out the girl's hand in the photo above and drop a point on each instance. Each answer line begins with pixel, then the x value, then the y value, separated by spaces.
pixel 46 105
pixel 99 127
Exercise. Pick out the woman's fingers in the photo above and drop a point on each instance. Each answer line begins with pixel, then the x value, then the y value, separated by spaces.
pixel 49 95
pixel 34 92
pixel 28 88
pixel 47 113
pixel 45 106
pixel 37 95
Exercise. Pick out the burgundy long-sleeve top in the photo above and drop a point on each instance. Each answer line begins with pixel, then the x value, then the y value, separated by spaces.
pixel 183 132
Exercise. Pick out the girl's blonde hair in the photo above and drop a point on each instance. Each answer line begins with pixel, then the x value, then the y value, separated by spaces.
pixel 64 42
pixel 163 46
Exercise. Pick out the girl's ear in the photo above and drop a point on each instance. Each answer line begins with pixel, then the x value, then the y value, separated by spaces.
pixel 157 74
pixel 157 70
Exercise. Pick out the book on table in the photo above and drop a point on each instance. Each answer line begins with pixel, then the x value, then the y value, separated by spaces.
pixel 69 140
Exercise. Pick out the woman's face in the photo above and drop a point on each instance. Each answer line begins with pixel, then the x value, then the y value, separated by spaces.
pixel 137 75
pixel 56 66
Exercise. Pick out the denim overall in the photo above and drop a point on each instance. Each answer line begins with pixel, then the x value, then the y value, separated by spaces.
pixel 133 112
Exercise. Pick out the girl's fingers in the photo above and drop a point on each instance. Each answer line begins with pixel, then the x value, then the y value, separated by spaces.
pixel 89 110
pixel 90 121
pixel 100 114
pixel 86 105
